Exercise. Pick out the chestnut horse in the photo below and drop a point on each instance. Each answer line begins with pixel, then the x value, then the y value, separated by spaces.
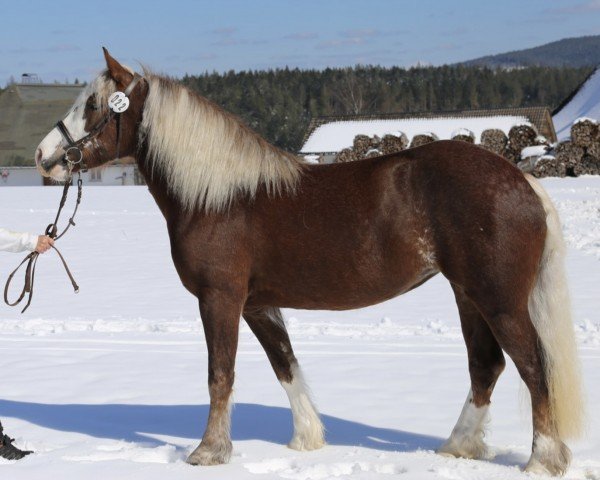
pixel 254 229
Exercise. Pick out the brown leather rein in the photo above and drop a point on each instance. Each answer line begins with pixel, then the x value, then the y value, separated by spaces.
pixel 52 229
pixel 32 258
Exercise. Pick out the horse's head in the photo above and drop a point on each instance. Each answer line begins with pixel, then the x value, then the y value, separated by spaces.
pixel 93 132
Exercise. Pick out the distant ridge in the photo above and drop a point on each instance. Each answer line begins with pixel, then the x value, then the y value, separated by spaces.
pixel 569 52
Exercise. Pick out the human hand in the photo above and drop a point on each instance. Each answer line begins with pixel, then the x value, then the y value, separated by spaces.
pixel 44 244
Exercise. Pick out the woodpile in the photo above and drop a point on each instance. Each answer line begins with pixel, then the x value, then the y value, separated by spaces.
pixel 549 166
pixel 423 139
pixel 578 156
pixel 361 145
pixel 584 132
pixel 494 140
pixel 594 149
pixel 588 165
pixel 391 143
pixel 346 155
pixel 463 135
pixel 519 137
pixel 569 153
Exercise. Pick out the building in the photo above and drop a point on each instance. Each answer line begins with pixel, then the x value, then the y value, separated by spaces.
pixel 28 111
pixel 326 136
pixel 121 174
pixel 584 101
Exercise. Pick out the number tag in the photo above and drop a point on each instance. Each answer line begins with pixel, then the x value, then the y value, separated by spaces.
pixel 118 102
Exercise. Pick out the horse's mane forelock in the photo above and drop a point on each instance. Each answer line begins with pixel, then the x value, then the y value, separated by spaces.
pixel 207 156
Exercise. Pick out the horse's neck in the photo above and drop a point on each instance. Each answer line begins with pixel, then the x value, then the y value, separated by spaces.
pixel 157 185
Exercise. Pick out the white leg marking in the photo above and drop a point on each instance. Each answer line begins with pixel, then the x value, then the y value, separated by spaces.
pixel 466 439
pixel 215 447
pixel 549 456
pixel 308 429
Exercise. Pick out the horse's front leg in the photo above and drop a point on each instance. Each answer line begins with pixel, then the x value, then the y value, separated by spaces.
pixel 220 311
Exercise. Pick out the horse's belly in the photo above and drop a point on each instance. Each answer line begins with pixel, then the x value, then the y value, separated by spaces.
pixel 343 289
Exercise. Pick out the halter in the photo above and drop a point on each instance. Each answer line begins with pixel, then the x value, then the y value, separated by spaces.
pixel 118 102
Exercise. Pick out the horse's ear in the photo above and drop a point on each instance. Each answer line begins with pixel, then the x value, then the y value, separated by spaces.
pixel 117 71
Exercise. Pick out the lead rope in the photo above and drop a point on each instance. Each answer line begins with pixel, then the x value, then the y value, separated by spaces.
pixel 32 258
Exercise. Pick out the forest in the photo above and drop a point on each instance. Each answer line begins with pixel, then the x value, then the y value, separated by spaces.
pixel 279 104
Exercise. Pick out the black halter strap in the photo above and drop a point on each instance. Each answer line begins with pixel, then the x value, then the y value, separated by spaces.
pixel 64 131
pixel 75 145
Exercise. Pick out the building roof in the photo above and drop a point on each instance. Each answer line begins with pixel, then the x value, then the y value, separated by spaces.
pixel 332 134
pixel 584 101
pixel 27 113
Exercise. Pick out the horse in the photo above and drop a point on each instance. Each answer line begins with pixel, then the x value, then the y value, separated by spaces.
pixel 254 229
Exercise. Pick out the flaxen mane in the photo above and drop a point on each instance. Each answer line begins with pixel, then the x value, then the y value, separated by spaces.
pixel 207 155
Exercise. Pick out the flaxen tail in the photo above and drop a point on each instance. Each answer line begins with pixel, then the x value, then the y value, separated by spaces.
pixel 550 311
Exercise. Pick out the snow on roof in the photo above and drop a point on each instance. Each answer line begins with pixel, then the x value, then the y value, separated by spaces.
pixel 337 135
pixel 585 102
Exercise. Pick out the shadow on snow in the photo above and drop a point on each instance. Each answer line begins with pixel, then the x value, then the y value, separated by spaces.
pixel 138 423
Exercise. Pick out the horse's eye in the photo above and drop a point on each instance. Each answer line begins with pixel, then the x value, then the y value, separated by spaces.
pixel 91 103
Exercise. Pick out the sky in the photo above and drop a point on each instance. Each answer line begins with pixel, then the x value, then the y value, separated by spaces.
pixel 61 40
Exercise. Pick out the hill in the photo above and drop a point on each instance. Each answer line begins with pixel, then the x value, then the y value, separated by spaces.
pixel 570 52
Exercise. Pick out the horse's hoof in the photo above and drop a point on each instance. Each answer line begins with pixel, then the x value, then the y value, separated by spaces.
pixel 211 454
pixel 305 445
pixel 549 457
pixel 472 448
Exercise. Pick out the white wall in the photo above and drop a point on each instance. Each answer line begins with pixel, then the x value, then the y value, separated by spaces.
pixel 19 177
pixel 29 176
pixel 111 175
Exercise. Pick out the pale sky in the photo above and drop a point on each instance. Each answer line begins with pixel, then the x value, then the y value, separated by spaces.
pixel 61 39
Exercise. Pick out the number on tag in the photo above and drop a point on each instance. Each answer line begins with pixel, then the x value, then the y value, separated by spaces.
pixel 118 102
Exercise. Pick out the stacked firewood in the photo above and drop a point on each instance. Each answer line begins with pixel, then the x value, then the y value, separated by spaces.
pixel 578 156
pixel 585 134
pixel 569 153
pixel 364 146
pixel 392 143
pixel 346 155
pixel 463 135
pixel 361 144
pixel 519 137
pixel 494 140
pixel 423 139
pixel 549 166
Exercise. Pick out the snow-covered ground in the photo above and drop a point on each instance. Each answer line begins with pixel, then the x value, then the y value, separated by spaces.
pixel 111 383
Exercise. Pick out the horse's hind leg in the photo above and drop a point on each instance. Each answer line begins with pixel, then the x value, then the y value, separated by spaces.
pixel 268 326
pixel 486 363
pixel 517 336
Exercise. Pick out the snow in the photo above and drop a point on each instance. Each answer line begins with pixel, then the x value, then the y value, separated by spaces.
pixel 585 103
pixel 462 131
pixel 335 136
pixel 535 151
pixel 585 119
pixel 311 158
pixel 111 383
